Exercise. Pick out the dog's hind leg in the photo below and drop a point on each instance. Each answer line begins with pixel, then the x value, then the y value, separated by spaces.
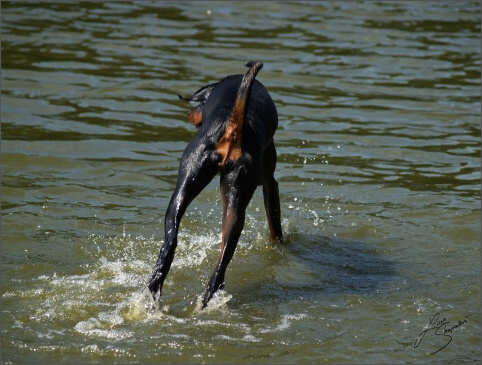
pixel 196 170
pixel 236 197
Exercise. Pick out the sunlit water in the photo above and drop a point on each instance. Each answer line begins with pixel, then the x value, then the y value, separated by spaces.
pixel 378 165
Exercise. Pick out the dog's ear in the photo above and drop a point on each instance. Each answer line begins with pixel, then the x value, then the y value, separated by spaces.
pixel 195 115
pixel 201 95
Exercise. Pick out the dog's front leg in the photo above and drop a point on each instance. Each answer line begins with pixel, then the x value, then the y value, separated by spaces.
pixel 271 194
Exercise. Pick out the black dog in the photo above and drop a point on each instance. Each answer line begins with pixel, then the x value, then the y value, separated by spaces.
pixel 236 120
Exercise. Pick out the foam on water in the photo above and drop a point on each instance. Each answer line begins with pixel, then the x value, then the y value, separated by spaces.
pixel 111 292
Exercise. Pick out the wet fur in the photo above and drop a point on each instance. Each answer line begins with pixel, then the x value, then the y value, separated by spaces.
pixel 236 120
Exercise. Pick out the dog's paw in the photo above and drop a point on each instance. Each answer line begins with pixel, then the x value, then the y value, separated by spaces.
pixel 217 301
pixel 211 289
pixel 155 286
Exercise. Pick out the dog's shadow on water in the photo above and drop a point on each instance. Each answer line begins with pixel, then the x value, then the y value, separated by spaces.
pixel 316 266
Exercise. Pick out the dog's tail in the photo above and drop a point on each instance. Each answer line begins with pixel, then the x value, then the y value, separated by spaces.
pixel 230 144
pixel 244 93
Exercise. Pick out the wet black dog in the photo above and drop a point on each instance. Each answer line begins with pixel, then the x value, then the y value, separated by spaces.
pixel 236 120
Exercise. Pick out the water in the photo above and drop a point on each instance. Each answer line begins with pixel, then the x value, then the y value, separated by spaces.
pixel 379 172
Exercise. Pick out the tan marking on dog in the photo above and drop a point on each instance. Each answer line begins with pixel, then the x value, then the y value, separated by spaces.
pixel 229 218
pixel 196 116
pixel 229 146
